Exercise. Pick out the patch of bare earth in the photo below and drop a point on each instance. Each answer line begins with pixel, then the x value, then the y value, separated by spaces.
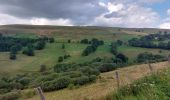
pixel 105 84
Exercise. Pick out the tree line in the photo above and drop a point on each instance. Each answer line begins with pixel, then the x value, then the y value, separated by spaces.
pixel 27 45
pixel 148 41
pixel 94 43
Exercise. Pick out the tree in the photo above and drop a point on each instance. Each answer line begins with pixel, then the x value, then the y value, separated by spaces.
pixel 69 41
pixel 119 42
pixel 51 40
pixel 84 41
pixel 122 57
pixel 63 46
pixel 29 50
pixel 14 49
pixel 12 56
pixel 43 68
pixel 40 45
pixel 60 59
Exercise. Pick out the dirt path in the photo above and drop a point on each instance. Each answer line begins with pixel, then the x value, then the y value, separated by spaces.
pixel 106 84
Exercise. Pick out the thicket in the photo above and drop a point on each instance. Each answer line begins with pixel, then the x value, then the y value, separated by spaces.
pixel 145 57
pixel 149 41
pixel 93 47
pixel 27 45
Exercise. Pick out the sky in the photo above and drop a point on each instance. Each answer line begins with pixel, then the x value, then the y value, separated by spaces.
pixel 108 13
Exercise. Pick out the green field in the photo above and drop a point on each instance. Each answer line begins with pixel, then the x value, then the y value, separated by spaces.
pixel 30 65
pixel 50 54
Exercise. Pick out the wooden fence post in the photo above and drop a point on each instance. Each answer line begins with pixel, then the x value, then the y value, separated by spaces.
pixel 168 58
pixel 150 66
pixel 117 79
pixel 40 92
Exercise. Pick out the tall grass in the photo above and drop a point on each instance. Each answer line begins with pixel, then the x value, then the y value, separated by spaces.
pixel 154 87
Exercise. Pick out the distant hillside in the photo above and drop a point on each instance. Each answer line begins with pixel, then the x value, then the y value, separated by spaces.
pixel 12 29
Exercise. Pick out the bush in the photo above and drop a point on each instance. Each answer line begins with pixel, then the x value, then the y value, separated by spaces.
pixel 10 96
pixel 60 59
pixel 60 83
pixel 143 57
pixel 107 67
pixel 29 50
pixel 43 68
pixel 13 56
pixel 66 56
pixel 81 80
pixel 51 40
pixel 28 93
pixel 25 81
pixel 122 57
pixel 92 78
pixel 40 45
pixel 89 71
pixel 71 86
pixel 69 41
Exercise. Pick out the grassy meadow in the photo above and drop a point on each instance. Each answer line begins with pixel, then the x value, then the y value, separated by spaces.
pixel 105 83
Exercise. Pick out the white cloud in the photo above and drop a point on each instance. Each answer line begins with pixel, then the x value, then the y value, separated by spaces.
pixel 44 21
pixel 112 7
pixel 8 19
pixel 150 1
pixel 130 15
pixel 168 12
pixel 165 25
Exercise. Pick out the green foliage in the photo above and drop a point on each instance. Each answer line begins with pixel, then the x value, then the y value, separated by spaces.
pixel 10 96
pixel 144 57
pixel 43 68
pixel 154 87
pixel 56 84
pixel 69 41
pixel 63 46
pixel 148 41
pixel 60 59
pixel 51 40
pixel 107 67
pixel 113 49
pixel 85 41
pixel 122 57
pixel 81 80
pixel 93 47
pixel 29 50
pixel 40 45
pixel 13 56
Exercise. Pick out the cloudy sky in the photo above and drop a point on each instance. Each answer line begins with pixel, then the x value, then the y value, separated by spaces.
pixel 113 13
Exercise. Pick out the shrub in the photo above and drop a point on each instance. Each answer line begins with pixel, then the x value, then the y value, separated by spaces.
pixel 107 67
pixel 71 86
pixel 25 81
pixel 60 83
pixel 69 41
pixel 60 59
pixel 10 96
pixel 92 78
pixel 43 68
pixel 81 80
pixel 29 50
pixel 51 40
pixel 28 93
pixel 40 45
pixel 13 56
pixel 123 58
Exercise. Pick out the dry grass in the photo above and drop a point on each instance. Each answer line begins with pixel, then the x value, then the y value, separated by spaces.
pixel 104 85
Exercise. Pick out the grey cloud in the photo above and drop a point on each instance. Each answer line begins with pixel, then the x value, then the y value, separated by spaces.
pixel 79 11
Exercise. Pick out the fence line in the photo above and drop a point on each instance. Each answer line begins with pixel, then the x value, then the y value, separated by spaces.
pixel 40 92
